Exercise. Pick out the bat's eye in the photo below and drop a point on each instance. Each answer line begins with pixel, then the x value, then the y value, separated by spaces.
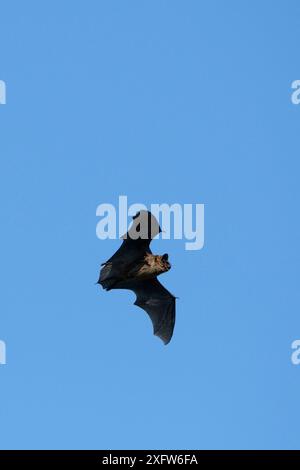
pixel 165 257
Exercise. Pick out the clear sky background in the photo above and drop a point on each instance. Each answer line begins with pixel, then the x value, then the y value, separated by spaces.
pixel 163 101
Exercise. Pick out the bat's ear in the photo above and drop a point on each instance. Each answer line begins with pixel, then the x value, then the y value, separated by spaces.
pixel 165 257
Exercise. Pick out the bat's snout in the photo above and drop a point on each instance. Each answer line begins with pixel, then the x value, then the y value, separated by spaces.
pixel 166 263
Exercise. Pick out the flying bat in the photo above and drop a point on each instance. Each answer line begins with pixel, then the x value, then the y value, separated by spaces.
pixel 134 267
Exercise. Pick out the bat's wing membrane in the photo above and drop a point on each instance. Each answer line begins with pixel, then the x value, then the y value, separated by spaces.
pixel 159 303
pixel 117 266
pixel 108 275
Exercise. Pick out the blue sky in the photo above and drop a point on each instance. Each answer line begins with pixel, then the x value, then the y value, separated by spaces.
pixel 163 101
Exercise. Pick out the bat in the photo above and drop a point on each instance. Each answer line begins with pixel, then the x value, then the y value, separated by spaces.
pixel 134 267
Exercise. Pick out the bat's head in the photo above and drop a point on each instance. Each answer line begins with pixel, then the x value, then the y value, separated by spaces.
pixel 144 226
pixel 165 262
pixel 154 265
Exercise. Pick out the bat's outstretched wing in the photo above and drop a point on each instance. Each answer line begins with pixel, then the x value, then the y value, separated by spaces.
pixel 119 264
pixel 136 243
pixel 158 302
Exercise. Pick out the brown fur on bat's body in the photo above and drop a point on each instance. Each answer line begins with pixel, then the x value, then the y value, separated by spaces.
pixel 134 267
pixel 149 267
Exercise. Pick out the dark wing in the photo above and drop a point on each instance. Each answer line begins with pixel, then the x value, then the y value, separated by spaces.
pixel 158 302
pixel 120 263
pixel 145 227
